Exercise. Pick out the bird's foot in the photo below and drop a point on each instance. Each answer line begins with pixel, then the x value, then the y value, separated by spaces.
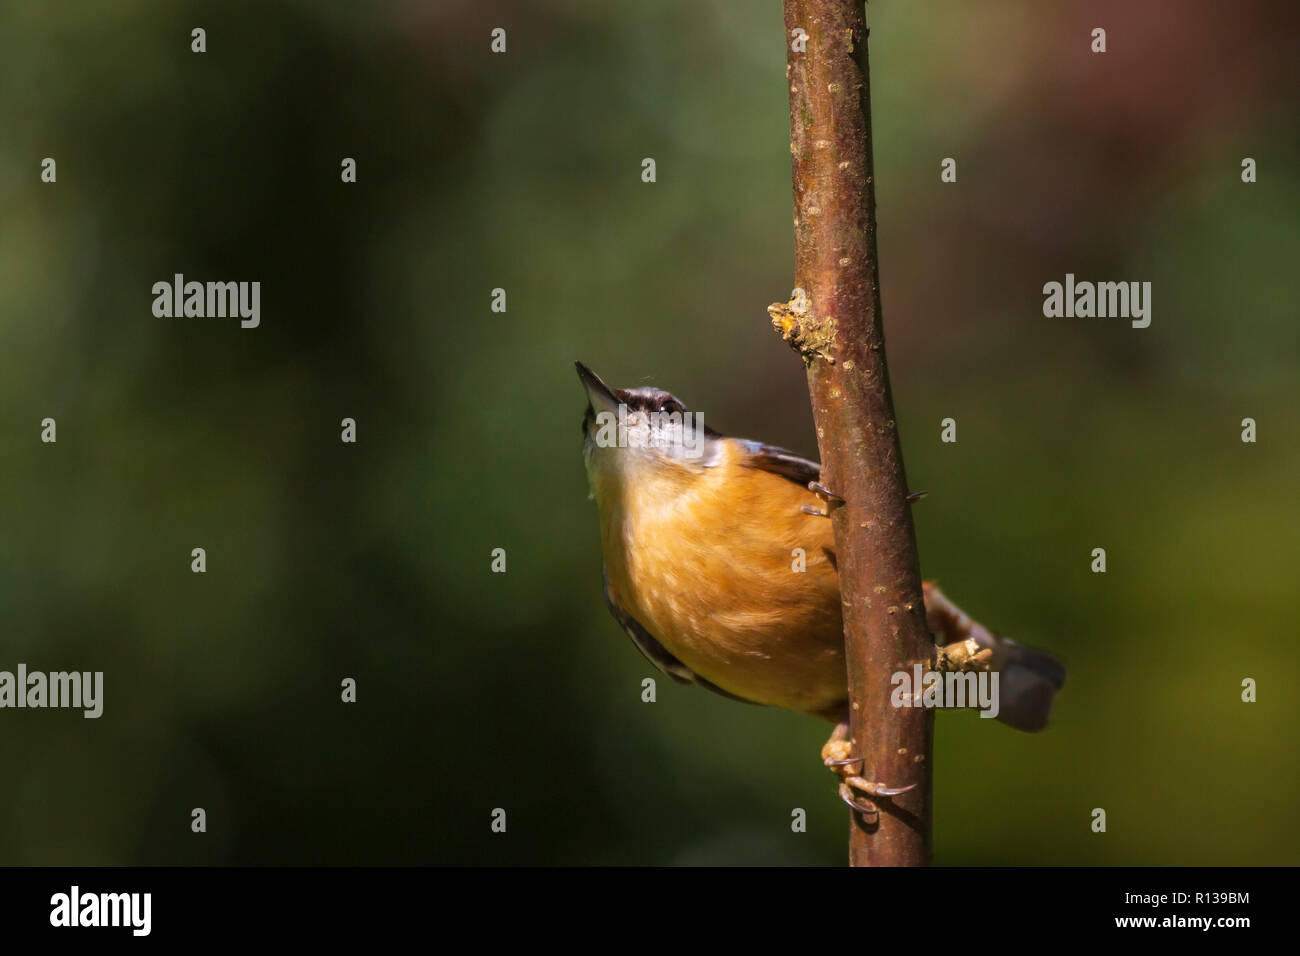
pixel 964 643
pixel 833 500
pixel 837 754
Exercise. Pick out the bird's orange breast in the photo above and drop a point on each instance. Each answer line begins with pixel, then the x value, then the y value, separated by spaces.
pixel 722 567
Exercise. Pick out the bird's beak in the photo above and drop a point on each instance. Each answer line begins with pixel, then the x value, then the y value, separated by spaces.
pixel 600 395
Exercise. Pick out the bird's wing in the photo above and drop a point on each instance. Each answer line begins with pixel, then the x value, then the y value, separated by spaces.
pixel 657 654
pixel 780 461
pixel 788 465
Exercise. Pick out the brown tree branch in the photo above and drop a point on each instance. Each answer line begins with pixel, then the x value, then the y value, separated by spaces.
pixel 835 324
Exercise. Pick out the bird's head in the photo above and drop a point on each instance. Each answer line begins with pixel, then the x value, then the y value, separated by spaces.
pixel 641 430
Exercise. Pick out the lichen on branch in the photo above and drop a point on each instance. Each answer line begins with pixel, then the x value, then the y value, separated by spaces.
pixel 810 336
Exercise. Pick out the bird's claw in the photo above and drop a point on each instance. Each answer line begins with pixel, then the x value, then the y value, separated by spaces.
pixel 877 789
pixel 865 807
pixel 825 494
pixel 837 755
pixel 834 501
pixel 842 763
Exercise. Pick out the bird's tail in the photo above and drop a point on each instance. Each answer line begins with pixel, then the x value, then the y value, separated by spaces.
pixel 1028 679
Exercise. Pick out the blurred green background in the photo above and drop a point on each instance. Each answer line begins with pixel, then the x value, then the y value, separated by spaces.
pixel 522 171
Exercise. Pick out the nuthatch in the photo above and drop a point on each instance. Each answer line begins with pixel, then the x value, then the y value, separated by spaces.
pixel 698 531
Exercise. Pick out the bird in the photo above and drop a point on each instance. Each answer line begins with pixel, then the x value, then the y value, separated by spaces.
pixel 697 533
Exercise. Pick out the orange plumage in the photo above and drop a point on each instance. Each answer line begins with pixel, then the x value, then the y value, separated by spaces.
pixel 705 560
pixel 716 569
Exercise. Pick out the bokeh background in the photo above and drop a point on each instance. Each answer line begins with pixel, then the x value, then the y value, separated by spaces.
pixel 522 171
